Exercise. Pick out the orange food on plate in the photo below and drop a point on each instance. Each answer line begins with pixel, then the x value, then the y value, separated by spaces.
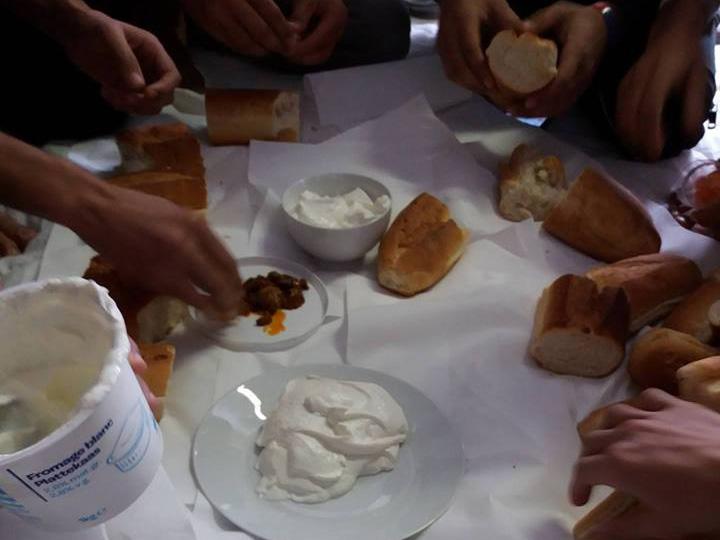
pixel 707 190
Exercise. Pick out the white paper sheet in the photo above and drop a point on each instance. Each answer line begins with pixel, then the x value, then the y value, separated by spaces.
pixel 346 97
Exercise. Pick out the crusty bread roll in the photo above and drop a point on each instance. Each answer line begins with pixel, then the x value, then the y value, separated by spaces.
pixel 530 184
pixel 420 247
pixel 615 505
pixel 149 318
pixel 658 354
pixel 239 116
pixel 700 382
pixel 161 147
pixel 186 191
pixel 691 316
pixel 579 329
pixel 522 64
pixel 653 283
pixel 602 219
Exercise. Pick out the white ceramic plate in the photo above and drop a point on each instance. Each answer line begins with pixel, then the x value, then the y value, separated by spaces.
pixel 388 506
pixel 244 335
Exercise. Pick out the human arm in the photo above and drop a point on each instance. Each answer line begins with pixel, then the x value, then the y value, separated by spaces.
pixel 149 240
pixel 663 451
pixel 320 25
pixel 665 93
pixel 134 70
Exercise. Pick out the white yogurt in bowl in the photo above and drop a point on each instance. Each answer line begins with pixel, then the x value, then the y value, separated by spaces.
pixel 340 211
pixel 337 217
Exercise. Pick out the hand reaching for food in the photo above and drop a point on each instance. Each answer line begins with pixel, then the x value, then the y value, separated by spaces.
pixel 664 452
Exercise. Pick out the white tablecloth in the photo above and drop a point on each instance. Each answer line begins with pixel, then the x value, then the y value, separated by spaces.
pixel 463 343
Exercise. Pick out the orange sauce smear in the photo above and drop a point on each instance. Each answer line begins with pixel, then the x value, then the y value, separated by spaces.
pixel 276 325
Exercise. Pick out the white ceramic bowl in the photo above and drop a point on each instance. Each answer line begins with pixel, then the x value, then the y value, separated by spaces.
pixel 335 244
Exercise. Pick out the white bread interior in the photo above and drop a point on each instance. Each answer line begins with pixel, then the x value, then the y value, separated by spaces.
pixel 522 64
pixel 530 184
pixel 653 283
pixel 579 329
pixel 420 247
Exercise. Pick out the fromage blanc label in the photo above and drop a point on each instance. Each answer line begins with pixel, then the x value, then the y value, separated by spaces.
pixel 323 435
pixel 341 212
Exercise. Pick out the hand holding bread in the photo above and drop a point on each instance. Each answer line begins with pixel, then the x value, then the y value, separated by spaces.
pixel 661 451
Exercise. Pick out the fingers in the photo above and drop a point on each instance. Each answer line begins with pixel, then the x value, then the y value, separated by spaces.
pixel 232 33
pixel 303 10
pixel 591 471
pixel 245 17
pixel 319 45
pixel 451 51
pixel 126 73
pixel 137 363
pixel 274 18
pixel 154 403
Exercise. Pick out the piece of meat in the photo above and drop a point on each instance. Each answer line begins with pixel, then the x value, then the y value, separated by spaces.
pixel 293 299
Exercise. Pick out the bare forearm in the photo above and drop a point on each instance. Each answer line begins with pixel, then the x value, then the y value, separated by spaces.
pixel 692 17
pixel 50 187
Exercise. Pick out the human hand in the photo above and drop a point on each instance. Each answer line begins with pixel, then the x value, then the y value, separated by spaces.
pixel 466 27
pixel 249 27
pixel 320 25
pixel 138 365
pixel 670 73
pixel 134 70
pixel 666 453
pixel 580 34
pixel 165 248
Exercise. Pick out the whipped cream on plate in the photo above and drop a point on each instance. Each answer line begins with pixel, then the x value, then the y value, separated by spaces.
pixel 323 435
pixel 340 212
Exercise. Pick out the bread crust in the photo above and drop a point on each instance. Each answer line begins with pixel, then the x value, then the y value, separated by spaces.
pixel 659 353
pixel 691 315
pixel 615 505
pixel 159 358
pixel 186 191
pixel 700 382
pixel 239 116
pixel 161 147
pixel 603 220
pixel 653 283
pixel 574 322
pixel 420 247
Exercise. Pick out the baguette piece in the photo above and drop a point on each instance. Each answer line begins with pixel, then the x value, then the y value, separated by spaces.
pixel 420 247
pixel 161 147
pixel 530 184
pixel 700 382
pixel 653 284
pixel 603 220
pixel 239 116
pixel 186 191
pixel 691 316
pixel 615 505
pixel 658 354
pixel 159 358
pixel 580 329
pixel 522 64
pixel 149 318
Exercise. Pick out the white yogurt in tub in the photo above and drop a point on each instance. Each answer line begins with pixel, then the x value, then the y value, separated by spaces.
pixel 78 443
